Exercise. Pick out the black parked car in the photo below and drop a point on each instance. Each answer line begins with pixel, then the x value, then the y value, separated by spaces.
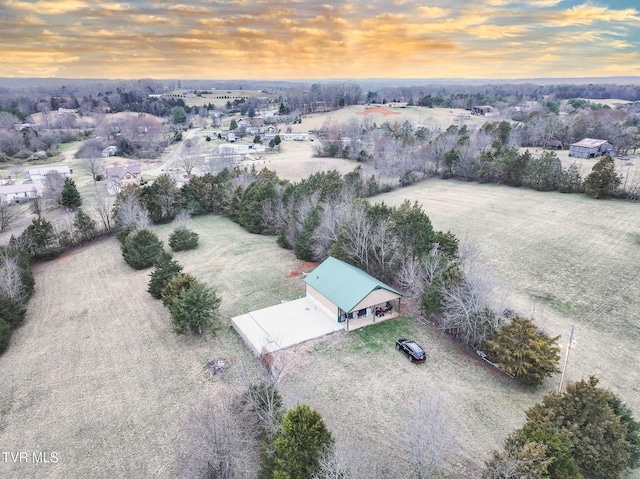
pixel 413 351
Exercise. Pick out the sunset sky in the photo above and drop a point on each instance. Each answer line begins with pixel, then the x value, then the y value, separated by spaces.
pixel 309 39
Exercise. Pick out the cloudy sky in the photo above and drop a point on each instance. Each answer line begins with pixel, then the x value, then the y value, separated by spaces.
pixel 309 39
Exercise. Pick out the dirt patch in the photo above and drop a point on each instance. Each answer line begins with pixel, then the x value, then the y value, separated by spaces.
pixel 377 109
pixel 302 269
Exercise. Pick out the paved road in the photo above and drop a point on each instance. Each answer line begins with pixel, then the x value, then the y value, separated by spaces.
pixel 175 155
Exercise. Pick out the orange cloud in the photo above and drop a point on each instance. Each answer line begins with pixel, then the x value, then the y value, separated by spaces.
pixel 46 7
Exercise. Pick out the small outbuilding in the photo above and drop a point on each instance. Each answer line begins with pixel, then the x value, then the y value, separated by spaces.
pixel 347 293
pixel 591 148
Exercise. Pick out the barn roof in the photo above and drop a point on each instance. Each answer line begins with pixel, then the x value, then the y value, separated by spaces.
pixel 589 143
pixel 343 284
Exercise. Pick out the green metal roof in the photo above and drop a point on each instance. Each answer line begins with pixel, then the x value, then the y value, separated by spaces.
pixel 343 284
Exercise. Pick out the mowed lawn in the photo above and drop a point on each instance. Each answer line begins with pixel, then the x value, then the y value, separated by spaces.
pixel 567 259
pixel 96 374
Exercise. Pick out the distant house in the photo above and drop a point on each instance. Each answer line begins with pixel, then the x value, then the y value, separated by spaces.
pixel 20 193
pixel 591 148
pixel 295 136
pixel 483 110
pixel 346 292
pixel 40 173
pixel 119 176
pixel 109 151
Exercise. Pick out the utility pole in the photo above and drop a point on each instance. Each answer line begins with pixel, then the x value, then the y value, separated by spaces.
pixel 566 360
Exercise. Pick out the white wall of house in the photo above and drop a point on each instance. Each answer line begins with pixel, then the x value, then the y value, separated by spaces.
pixel 322 302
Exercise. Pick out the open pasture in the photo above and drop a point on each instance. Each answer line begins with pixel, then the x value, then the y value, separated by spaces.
pixel 434 118
pixel 566 259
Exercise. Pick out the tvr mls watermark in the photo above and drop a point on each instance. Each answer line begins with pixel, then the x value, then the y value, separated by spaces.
pixel 23 457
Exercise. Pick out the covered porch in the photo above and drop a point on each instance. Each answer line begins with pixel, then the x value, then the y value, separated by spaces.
pixel 359 318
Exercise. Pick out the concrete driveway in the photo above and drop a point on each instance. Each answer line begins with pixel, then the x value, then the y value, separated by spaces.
pixel 284 325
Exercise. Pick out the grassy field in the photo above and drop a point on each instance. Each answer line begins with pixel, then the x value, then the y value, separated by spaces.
pixel 569 259
pixel 96 373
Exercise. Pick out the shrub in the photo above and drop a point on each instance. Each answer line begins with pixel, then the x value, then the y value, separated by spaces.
pixel 5 335
pixel 11 311
pixel 182 239
pixel 195 309
pixel 141 249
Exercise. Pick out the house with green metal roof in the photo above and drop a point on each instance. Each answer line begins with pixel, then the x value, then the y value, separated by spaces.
pixel 346 292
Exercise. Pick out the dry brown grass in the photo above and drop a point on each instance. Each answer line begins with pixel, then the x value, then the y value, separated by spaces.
pixel 569 259
pixel 96 373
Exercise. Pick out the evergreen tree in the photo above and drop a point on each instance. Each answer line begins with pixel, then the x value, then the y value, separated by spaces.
pixel 523 351
pixel 85 225
pixel 11 311
pixel 598 436
pixel 176 286
pixel 195 309
pixel 603 179
pixel 70 196
pixel 165 269
pixel 182 239
pixel 5 335
pixel 544 172
pixel 570 180
pixel 141 249
pixel 37 238
pixel 301 443
pixel 304 243
pixel 413 229
pixel 558 450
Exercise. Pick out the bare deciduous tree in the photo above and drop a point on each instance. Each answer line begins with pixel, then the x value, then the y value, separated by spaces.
pixel 93 165
pixel 432 438
pixel 188 162
pixel 348 461
pixel 182 220
pixel 53 184
pixel 10 282
pixel 469 309
pixel 102 204
pixel 130 212
pixel 7 215
pixel 214 445
pixel 416 274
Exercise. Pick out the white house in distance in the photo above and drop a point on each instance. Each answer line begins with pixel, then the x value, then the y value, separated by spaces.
pixel 39 173
pixel 20 193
